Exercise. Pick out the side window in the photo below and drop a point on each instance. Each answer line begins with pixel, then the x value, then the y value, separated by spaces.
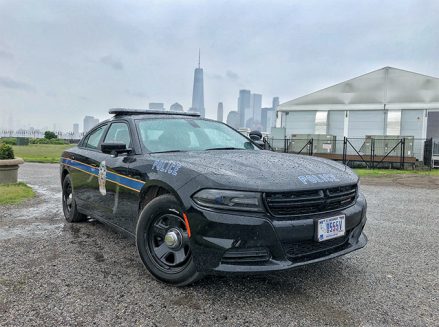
pixel 93 139
pixel 118 133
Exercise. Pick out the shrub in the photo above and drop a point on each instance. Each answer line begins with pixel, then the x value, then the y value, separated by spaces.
pixel 50 135
pixel 6 151
pixel 9 140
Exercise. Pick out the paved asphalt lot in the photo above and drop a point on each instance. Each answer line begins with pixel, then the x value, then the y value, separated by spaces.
pixel 55 273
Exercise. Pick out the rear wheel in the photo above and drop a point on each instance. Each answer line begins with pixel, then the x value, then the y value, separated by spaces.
pixel 70 210
pixel 163 242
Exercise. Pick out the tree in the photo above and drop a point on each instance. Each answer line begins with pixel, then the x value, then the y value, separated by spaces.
pixel 50 135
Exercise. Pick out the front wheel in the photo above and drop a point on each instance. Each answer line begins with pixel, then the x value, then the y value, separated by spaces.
pixel 163 242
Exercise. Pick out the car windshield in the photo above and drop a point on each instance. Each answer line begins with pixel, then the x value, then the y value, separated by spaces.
pixel 188 134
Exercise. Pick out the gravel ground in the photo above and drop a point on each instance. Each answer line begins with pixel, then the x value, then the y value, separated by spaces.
pixel 54 273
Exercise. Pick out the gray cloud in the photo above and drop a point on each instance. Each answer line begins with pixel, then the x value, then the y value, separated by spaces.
pixel 232 75
pixel 214 76
pixel 9 83
pixel 6 55
pixel 51 94
pixel 116 64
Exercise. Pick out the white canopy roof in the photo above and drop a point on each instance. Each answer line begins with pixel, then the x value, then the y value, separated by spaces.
pixel 385 88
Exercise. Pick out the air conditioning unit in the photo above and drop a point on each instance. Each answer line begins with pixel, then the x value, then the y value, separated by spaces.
pixel 387 145
pixel 322 143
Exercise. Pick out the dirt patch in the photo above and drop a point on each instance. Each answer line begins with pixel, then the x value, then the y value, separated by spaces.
pixel 414 181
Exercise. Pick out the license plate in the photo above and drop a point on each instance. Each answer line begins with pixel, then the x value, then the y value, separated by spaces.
pixel 329 228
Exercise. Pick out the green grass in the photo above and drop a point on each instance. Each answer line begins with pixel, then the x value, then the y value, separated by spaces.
pixel 387 172
pixel 47 153
pixel 15 193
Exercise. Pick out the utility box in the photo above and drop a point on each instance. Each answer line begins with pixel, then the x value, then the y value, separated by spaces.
pixel 322 143
pixel 387 145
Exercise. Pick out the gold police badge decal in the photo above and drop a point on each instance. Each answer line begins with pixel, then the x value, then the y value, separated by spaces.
pixel 102 178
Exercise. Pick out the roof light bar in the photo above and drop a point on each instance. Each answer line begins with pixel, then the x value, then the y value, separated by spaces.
pixel 126 111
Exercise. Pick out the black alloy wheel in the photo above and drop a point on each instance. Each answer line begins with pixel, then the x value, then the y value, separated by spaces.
pixel 163 242
pixel 168 242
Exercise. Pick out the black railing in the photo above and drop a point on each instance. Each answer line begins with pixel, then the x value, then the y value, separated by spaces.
pixel 368 152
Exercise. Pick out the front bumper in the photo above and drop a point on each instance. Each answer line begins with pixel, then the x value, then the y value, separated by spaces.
pixel 236 243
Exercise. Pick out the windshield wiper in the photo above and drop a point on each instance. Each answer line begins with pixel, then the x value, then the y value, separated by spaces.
pixel 224 148
pixel 168 151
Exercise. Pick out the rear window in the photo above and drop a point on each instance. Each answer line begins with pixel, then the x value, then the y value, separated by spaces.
pixel 92 140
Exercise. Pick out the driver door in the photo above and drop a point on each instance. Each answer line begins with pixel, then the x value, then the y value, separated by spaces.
pixel 114 167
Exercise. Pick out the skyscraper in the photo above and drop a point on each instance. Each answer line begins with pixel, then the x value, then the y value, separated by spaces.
pixel 256 104
pixel 244 107
pixel 268 116
pixel 89 123
pixel 275 106
pixel 220 112
pixel 233 119
pixel 76 130
pixel 198 91
pixel 275 103
pixel 267 119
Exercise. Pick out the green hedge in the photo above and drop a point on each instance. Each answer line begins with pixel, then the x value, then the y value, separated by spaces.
pixel 9 140
pixel 46 141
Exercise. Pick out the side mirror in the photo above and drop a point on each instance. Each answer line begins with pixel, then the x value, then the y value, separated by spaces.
pixel 114 148
pixel 255 136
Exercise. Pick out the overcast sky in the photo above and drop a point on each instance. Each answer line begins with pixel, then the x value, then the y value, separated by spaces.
pixel 62 60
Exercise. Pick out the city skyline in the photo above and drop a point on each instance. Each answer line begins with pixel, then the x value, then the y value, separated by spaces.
pixel 138 53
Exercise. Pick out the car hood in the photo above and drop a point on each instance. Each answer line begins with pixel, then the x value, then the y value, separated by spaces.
pixel 262 170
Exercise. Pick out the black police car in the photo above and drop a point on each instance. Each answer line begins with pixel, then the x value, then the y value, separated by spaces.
pixel 201 198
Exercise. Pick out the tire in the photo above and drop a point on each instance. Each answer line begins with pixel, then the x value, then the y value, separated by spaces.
pixel 69 207
pixel 173 265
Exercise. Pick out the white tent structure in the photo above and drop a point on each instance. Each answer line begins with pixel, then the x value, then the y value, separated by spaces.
pixel 387 101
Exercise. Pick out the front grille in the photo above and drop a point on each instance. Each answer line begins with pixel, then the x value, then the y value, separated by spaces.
pixel 307 250
pixel 310 201
pixel 246 255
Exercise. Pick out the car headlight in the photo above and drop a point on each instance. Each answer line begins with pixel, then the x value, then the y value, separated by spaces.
pixel 230 200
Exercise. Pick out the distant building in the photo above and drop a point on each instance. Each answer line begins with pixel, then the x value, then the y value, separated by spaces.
pixel 220 112
pixel 244 108
pixel 198 91
pixel 275 102
pixel 89 123
pixel 76 130
pixel 176 107
pixel 156 106
pixel 249 109
pixel 256 104
pixel 268 116
pixel 233 119
pixel 267 119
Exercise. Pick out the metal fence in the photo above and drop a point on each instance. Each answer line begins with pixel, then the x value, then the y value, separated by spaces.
pixel 367 152
pixel 39 134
